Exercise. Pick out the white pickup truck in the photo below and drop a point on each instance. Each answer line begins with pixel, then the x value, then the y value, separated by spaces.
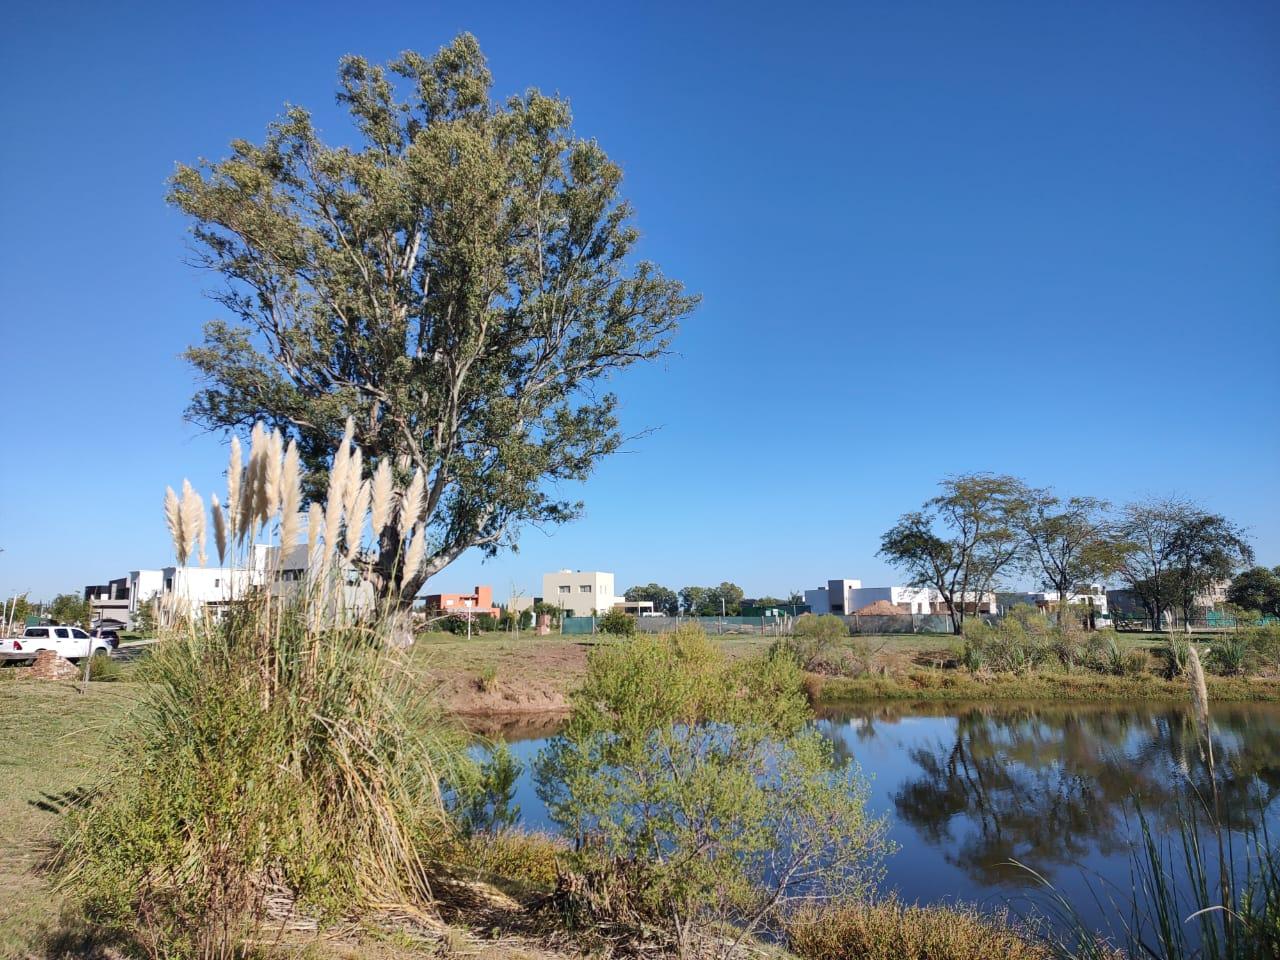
pixel 70 642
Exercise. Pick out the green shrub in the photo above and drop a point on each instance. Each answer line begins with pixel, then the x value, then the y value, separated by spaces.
pixel 105 668
pixel 1264 644
pixel 892 930
pixel 1007 646
pixel 1114 656
pixel 672 748
pixel 487 678
pixel 1176 652
pixel 618 623
pixel 531 860
pixel 1232 654
pixel 813 639
pixel 268 755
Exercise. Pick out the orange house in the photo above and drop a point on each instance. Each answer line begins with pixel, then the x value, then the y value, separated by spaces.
pixel 480 602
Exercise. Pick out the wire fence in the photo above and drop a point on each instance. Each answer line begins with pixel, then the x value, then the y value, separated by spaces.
pixel 906 623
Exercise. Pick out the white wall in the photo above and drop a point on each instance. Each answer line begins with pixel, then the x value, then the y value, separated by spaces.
pixel 838 595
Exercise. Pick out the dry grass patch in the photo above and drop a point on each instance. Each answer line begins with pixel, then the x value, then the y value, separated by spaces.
pixel 892 930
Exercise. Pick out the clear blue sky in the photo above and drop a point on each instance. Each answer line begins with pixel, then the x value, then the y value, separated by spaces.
pixel 1039 238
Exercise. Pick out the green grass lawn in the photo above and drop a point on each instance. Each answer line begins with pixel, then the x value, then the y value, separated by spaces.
pixel 54 739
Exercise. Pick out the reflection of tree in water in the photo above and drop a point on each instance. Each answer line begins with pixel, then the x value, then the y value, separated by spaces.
pixel 1048 785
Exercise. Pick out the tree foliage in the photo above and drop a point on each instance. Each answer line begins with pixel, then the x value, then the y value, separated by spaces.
pixel 70 608
pixel 960 541
pixel 1171 550
pixel 1256 589
pixel 461 281
pixel 696 794
pixel 664 599
pixel 707 601
pixel 1068 540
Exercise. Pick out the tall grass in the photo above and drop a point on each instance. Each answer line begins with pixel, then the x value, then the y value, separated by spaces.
pixel 277 772
pixel 1202 890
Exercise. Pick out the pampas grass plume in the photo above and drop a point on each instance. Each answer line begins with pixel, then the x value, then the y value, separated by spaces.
pixel 192 510
pixel 273 477
pixel 235 474
pixel 355 470
pixel 173 519
pixel 355 519
pixel 1199 692
pixel 417 549
pixel 219 528
pixel 382 493
pixel 290 498
pixel 411 505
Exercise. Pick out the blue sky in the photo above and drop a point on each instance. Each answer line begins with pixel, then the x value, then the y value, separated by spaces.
pixel 1025 237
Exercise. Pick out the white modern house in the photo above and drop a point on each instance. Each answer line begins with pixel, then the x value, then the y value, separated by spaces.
pixel 195 590
pixel 844 597
pixel 580 593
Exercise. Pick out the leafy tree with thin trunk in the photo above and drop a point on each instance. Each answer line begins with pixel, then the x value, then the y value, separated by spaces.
pixel 459 280
pixel 1171 550
pixel 961 541
pixel 1068 541
pixel 1208 550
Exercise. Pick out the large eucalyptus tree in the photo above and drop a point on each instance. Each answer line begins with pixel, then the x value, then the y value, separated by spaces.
pixel 459 279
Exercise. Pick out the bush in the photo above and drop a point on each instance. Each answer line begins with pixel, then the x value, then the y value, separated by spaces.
pixel 459 627
pixel 812 639
pixel 487 678
pixel 1264 644
pixel 271 759
pixel 1177 653
pixel 1007 646
pixel 891 930
pixel 672 748
pixel 618 623
pixel 1232 654
pixel 105 668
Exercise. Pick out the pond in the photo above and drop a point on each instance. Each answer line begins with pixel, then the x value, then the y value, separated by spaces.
pixel 969 788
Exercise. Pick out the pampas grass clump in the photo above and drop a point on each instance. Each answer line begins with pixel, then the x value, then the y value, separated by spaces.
pixel 277 772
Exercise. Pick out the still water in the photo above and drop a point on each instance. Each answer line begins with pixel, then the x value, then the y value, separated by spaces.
pixel 969 788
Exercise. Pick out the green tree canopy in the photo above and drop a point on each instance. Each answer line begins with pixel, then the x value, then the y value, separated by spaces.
pixel 460 279
pixel 1068 540
pixel 706 601
pixel 70 608
pixel 664 600
pixel 961 541
pixel 1256 589
pixel 1170 551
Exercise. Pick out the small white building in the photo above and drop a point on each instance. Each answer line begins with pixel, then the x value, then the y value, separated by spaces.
pixel 580 593
pixel 844 597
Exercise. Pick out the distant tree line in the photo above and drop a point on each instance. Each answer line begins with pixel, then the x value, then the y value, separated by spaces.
pixel 691 601
pixel 981 528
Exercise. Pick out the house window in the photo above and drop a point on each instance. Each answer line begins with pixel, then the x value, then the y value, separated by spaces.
pixel 585 588
pixel 565 588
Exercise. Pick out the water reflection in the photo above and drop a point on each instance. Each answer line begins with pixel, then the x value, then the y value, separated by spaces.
pixel 1052 786
pixel 970 788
